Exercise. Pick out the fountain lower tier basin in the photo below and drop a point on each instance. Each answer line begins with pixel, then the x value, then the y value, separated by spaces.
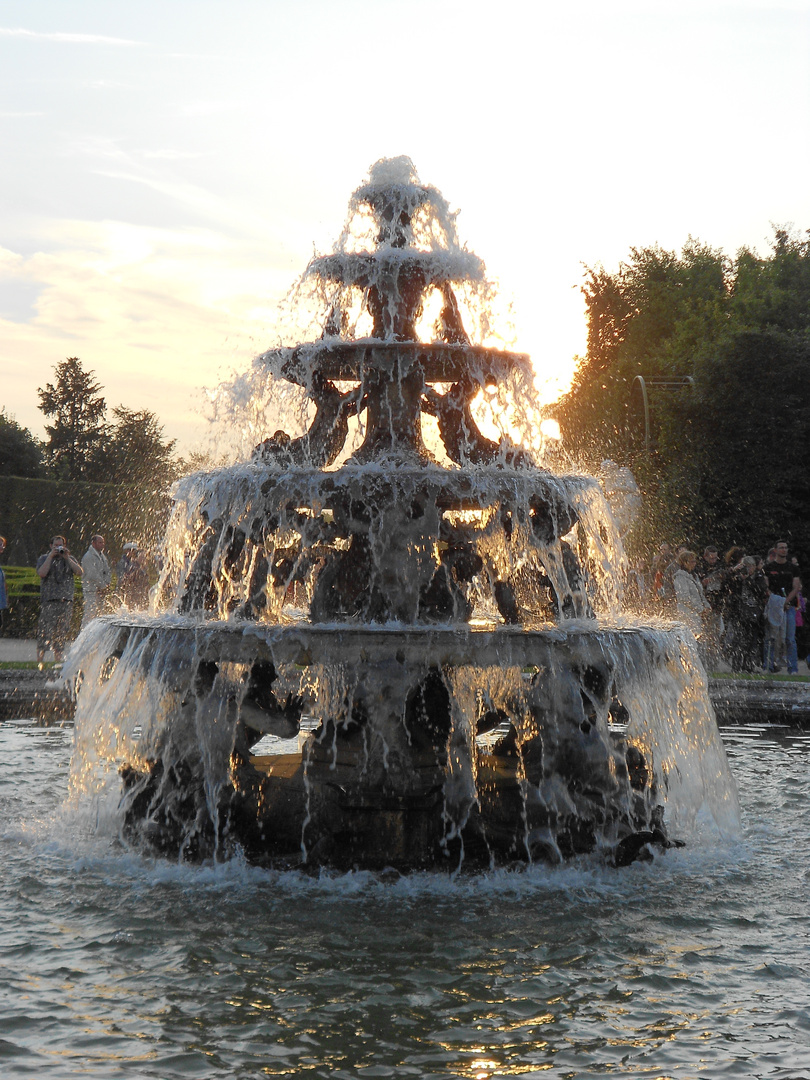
pixel 409 747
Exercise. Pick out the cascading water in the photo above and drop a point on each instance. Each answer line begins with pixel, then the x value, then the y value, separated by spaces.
pixel 392 639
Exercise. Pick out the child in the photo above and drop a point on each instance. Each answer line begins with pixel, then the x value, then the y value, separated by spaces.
pixel 774 633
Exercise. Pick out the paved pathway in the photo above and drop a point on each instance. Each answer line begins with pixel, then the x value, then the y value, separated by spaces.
pixel 19 650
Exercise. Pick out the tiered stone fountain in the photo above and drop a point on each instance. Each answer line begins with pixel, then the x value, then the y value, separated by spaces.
pixel 437 628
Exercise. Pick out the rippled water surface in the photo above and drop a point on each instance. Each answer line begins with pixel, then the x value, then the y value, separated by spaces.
pixel 696 965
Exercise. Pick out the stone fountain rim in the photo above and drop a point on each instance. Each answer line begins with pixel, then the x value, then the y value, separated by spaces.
pixel 304 644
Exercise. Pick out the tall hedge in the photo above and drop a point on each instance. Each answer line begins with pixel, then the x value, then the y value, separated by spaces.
pixel 33 511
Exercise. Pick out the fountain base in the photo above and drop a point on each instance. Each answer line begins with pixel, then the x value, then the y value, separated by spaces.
pixel 409 747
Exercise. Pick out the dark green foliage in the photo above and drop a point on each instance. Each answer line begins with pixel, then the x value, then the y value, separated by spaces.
pixel 774 292
pixel 97 477
pixel 32 511
pixel 20 452
pixel 82 445
pixel 750 417
pixel 136 453
pixel 727 460
pixel 77 433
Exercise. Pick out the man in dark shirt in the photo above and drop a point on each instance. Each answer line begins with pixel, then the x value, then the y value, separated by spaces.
pixel 784 579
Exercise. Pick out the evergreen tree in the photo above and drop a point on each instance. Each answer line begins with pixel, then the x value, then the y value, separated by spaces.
pixel 136 453
pixel 76 436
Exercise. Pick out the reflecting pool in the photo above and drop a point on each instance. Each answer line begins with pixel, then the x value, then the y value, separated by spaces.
pixel 692 966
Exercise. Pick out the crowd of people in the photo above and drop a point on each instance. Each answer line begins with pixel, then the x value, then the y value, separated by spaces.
pixel 746 611
pixel 58 569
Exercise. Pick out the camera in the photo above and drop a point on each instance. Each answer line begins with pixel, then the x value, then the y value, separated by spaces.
pixel 60 550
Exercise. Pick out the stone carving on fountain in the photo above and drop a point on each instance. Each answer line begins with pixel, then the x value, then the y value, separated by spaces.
pixel 422 618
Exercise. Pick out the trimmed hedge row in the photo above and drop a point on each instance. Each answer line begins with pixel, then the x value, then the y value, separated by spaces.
pixel 22 586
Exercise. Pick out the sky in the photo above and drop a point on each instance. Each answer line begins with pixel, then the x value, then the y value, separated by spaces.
pixel 169 168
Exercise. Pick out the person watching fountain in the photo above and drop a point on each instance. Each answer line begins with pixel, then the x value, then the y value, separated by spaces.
pixel 661 560
pixel 3 592
pixel 710 572
pixel 133 577
pixel 709 565
pixel 692 606
pixel 746 592
pixel 56 569
pixel 97 575
pixel 784 580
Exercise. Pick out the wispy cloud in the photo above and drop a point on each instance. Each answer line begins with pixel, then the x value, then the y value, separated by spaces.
pixel 153 311
pixel 209 57
pixel 202 107
pixel 191 196
pixel 71 39
pixel 108 84
pixel 151 168
pixel 174 155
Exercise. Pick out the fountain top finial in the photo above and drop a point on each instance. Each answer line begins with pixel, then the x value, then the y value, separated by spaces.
pixel 392 171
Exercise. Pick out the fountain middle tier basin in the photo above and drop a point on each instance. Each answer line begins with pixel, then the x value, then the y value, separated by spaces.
pixel 255 493
pixel 335 358
pixel 401 746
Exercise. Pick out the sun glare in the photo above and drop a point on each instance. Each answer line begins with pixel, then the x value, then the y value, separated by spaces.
pixel 550 429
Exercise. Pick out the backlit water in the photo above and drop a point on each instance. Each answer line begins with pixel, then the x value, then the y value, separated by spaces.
pixel 113 965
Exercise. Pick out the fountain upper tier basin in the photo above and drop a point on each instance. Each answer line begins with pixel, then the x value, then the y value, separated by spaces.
pixel 390 265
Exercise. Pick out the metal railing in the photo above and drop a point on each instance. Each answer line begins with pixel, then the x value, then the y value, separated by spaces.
pixel 662 382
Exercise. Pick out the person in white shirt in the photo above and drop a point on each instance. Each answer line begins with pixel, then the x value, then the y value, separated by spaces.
pixel 693 608
pixel 95 579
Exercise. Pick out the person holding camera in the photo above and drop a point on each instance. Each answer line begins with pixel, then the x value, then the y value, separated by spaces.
pixel 57 569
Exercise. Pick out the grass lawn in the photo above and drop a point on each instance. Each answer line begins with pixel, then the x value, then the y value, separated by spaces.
pixel 25 665
pixel 756 676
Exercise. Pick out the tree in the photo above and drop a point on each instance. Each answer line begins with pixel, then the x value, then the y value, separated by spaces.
pixel 136 453
pixel 77 434
pixel 727 460
pixel 20 452
pixel 202 461
pixel 774 292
